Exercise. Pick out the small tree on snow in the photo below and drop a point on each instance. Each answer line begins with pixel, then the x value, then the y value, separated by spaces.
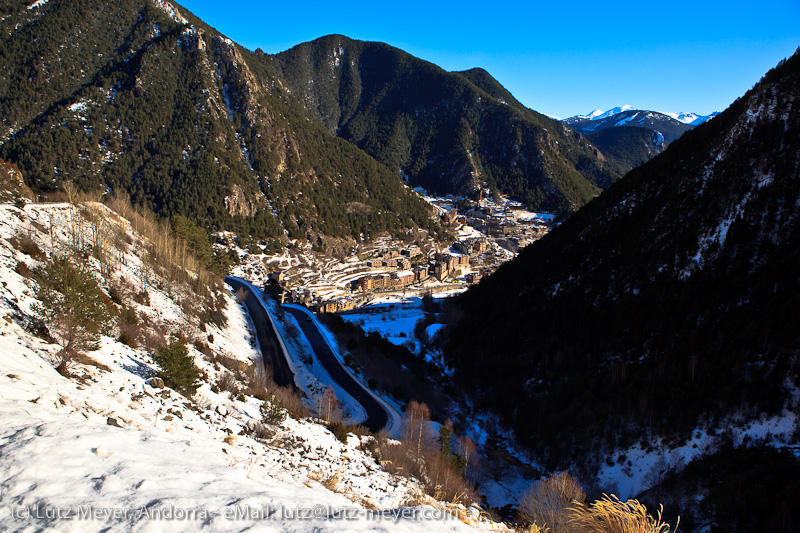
pixel 72 307
pixel 272 411
pixel 177 367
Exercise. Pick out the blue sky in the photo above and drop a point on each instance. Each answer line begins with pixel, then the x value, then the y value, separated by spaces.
pixel 557 57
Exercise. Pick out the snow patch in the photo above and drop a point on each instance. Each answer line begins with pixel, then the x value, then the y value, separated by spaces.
pixel 37 4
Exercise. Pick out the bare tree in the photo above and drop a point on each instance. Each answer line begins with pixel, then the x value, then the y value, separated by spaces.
pixel 328 406
pixel 417 428
pixel 467 451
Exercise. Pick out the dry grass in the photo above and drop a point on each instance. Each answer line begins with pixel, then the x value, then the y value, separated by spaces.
pixel 415 498
pixel 328 481
pixel 610 515
pixel 86 360
pixel 25 244
pixel 548 502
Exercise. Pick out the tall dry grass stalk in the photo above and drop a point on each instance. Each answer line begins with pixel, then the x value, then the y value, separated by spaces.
pixel 610 515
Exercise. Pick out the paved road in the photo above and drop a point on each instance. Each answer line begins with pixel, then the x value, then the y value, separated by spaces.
pixel 377 417
pixel 267 336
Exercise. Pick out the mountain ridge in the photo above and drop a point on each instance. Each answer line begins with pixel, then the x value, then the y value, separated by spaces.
pixel 693 119
pixel 658 310
pixel 448 132
pixel 159 105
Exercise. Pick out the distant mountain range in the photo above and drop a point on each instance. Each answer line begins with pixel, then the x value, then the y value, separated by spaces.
pixel 692 119
pixel 671 125
pixel 632 136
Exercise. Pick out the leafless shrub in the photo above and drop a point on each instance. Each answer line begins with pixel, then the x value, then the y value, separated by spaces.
pixel 446 481
pixel 142 297
pixel 130 334
pixel 258 380
pixel 228 383
pixel 238 367
pixel 328 408
pixel 261 431
pixel 154 336
pixel 241 294
pixel 23 270
pixel 291 402
pixel 120 291
pixel 547 502
pixel 25 244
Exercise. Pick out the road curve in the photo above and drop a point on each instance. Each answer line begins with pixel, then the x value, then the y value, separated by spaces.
pixel 271 350
pixel 377 414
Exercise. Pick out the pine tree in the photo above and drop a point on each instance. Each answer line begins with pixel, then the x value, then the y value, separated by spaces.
pixel 72 307
pixel 177 367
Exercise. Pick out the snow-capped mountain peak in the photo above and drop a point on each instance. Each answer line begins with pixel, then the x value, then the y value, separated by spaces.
pixel 690 118
pixel 594 114
pixel 614 111
pixel 693 119
pixel 599 114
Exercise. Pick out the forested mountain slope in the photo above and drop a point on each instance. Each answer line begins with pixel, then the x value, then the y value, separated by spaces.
pixel 662 306
pixel 629 146
pixel 448 132
pixel 140 96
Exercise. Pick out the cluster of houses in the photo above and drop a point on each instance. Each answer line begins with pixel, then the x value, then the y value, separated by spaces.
pixel 501 223
pixel 450 267
pixel 391 280
pixel 472 246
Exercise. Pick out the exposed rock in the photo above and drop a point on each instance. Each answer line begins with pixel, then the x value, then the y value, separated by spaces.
pixel 238 203
pixel 11 184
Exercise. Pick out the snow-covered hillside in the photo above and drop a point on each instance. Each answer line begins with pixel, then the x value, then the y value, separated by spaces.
pixel 111 448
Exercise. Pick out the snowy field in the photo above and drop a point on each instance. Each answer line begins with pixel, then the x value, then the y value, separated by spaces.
pixel 108 449
pixel 391 317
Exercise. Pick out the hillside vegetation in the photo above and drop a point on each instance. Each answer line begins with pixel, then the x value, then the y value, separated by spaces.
pixel 448 132
pixel 662 309
pixel 132 96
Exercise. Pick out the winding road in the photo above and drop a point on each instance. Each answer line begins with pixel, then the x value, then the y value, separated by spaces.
pixel 377 413
pixel 271 349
